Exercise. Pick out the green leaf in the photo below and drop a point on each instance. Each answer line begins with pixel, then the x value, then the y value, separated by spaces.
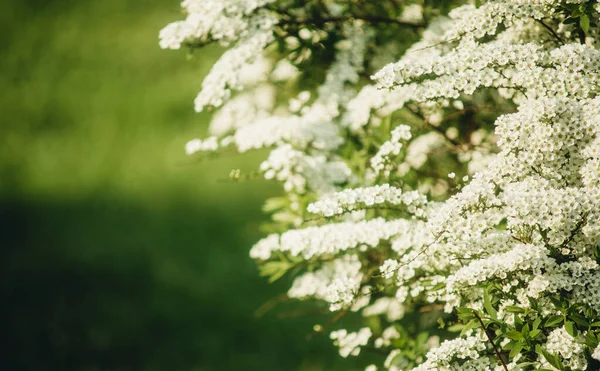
pixel 588 312
pixel 523 364
pixel 455 328
pixel 534 333
pixel 274 203
pixel 422 338
pixel 584 23
pixel 474 323
pixel 534 304
pixel 525 331
pixel 511 344
pixel 464 313
pixel 515 350
pixel 536 323
pixel 487 302
pixel 274 270
pixel 518 320
pixel 570 20
pixel 571 329
pixel 570 7
pixel 552 359
pixel 441 323
pixel 580 320
pixel 397 358
pixel 591 340
pixel 438 286
pixel 514 309
pixel 554 321
pixel 576 13
pixel 557 302
pixel 515 335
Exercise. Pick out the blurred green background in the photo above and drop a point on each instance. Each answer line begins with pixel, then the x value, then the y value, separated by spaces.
pixel 118 252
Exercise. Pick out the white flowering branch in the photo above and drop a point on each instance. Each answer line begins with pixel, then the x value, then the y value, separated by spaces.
pixel 462 180
pixel 491 340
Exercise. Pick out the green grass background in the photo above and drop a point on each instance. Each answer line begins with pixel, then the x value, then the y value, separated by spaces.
pixel 118 252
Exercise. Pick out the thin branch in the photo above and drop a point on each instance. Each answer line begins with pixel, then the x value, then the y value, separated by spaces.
pixel 580 224
pixel 303 313
pixel 270 304
pixel 199 43
pixel 429 308
pixel 423 250
pixel 377 351
pixel 441 131
pixel 366 18
pixel 333 321
pixel 236 176
pixel 581 36
pixel 491 341
pixel 551 30
pixel 387 208
pixel 434 45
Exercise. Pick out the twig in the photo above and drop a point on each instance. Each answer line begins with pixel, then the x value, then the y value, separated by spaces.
pixel 236 176
pixel 270 304
pixel 335 319
pixel 436 128
pixel 580 224
pixel 413 259
pixel 551 30
pixel 491 341
pixel 581 34
pixel 429 308
pixel 377 351
pixel 434 45
pixel 345 212
pixel 303 313
pixel 370 19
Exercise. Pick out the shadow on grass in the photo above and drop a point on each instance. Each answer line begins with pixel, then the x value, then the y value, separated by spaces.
pixel 103 284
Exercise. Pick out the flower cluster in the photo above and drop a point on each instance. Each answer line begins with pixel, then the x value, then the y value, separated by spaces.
pixel 570 349
pixel 336 282
pixel 330 238
pixel 460 182
pixel 351 199
pixel 198 145
pixel 442 356
pixel 350 343
pixel 297 171
pixel 390 148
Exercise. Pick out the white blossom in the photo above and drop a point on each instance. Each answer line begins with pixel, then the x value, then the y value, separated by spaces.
pixel 210 144
pixel 333 238
pixel 350 342
pixel 390 148
pixel 351 199
pixel 504 94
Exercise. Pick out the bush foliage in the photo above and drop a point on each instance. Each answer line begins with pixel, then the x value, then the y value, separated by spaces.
pixel 440 162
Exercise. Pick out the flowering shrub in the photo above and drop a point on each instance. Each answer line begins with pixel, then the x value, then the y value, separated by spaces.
pixel 440 164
